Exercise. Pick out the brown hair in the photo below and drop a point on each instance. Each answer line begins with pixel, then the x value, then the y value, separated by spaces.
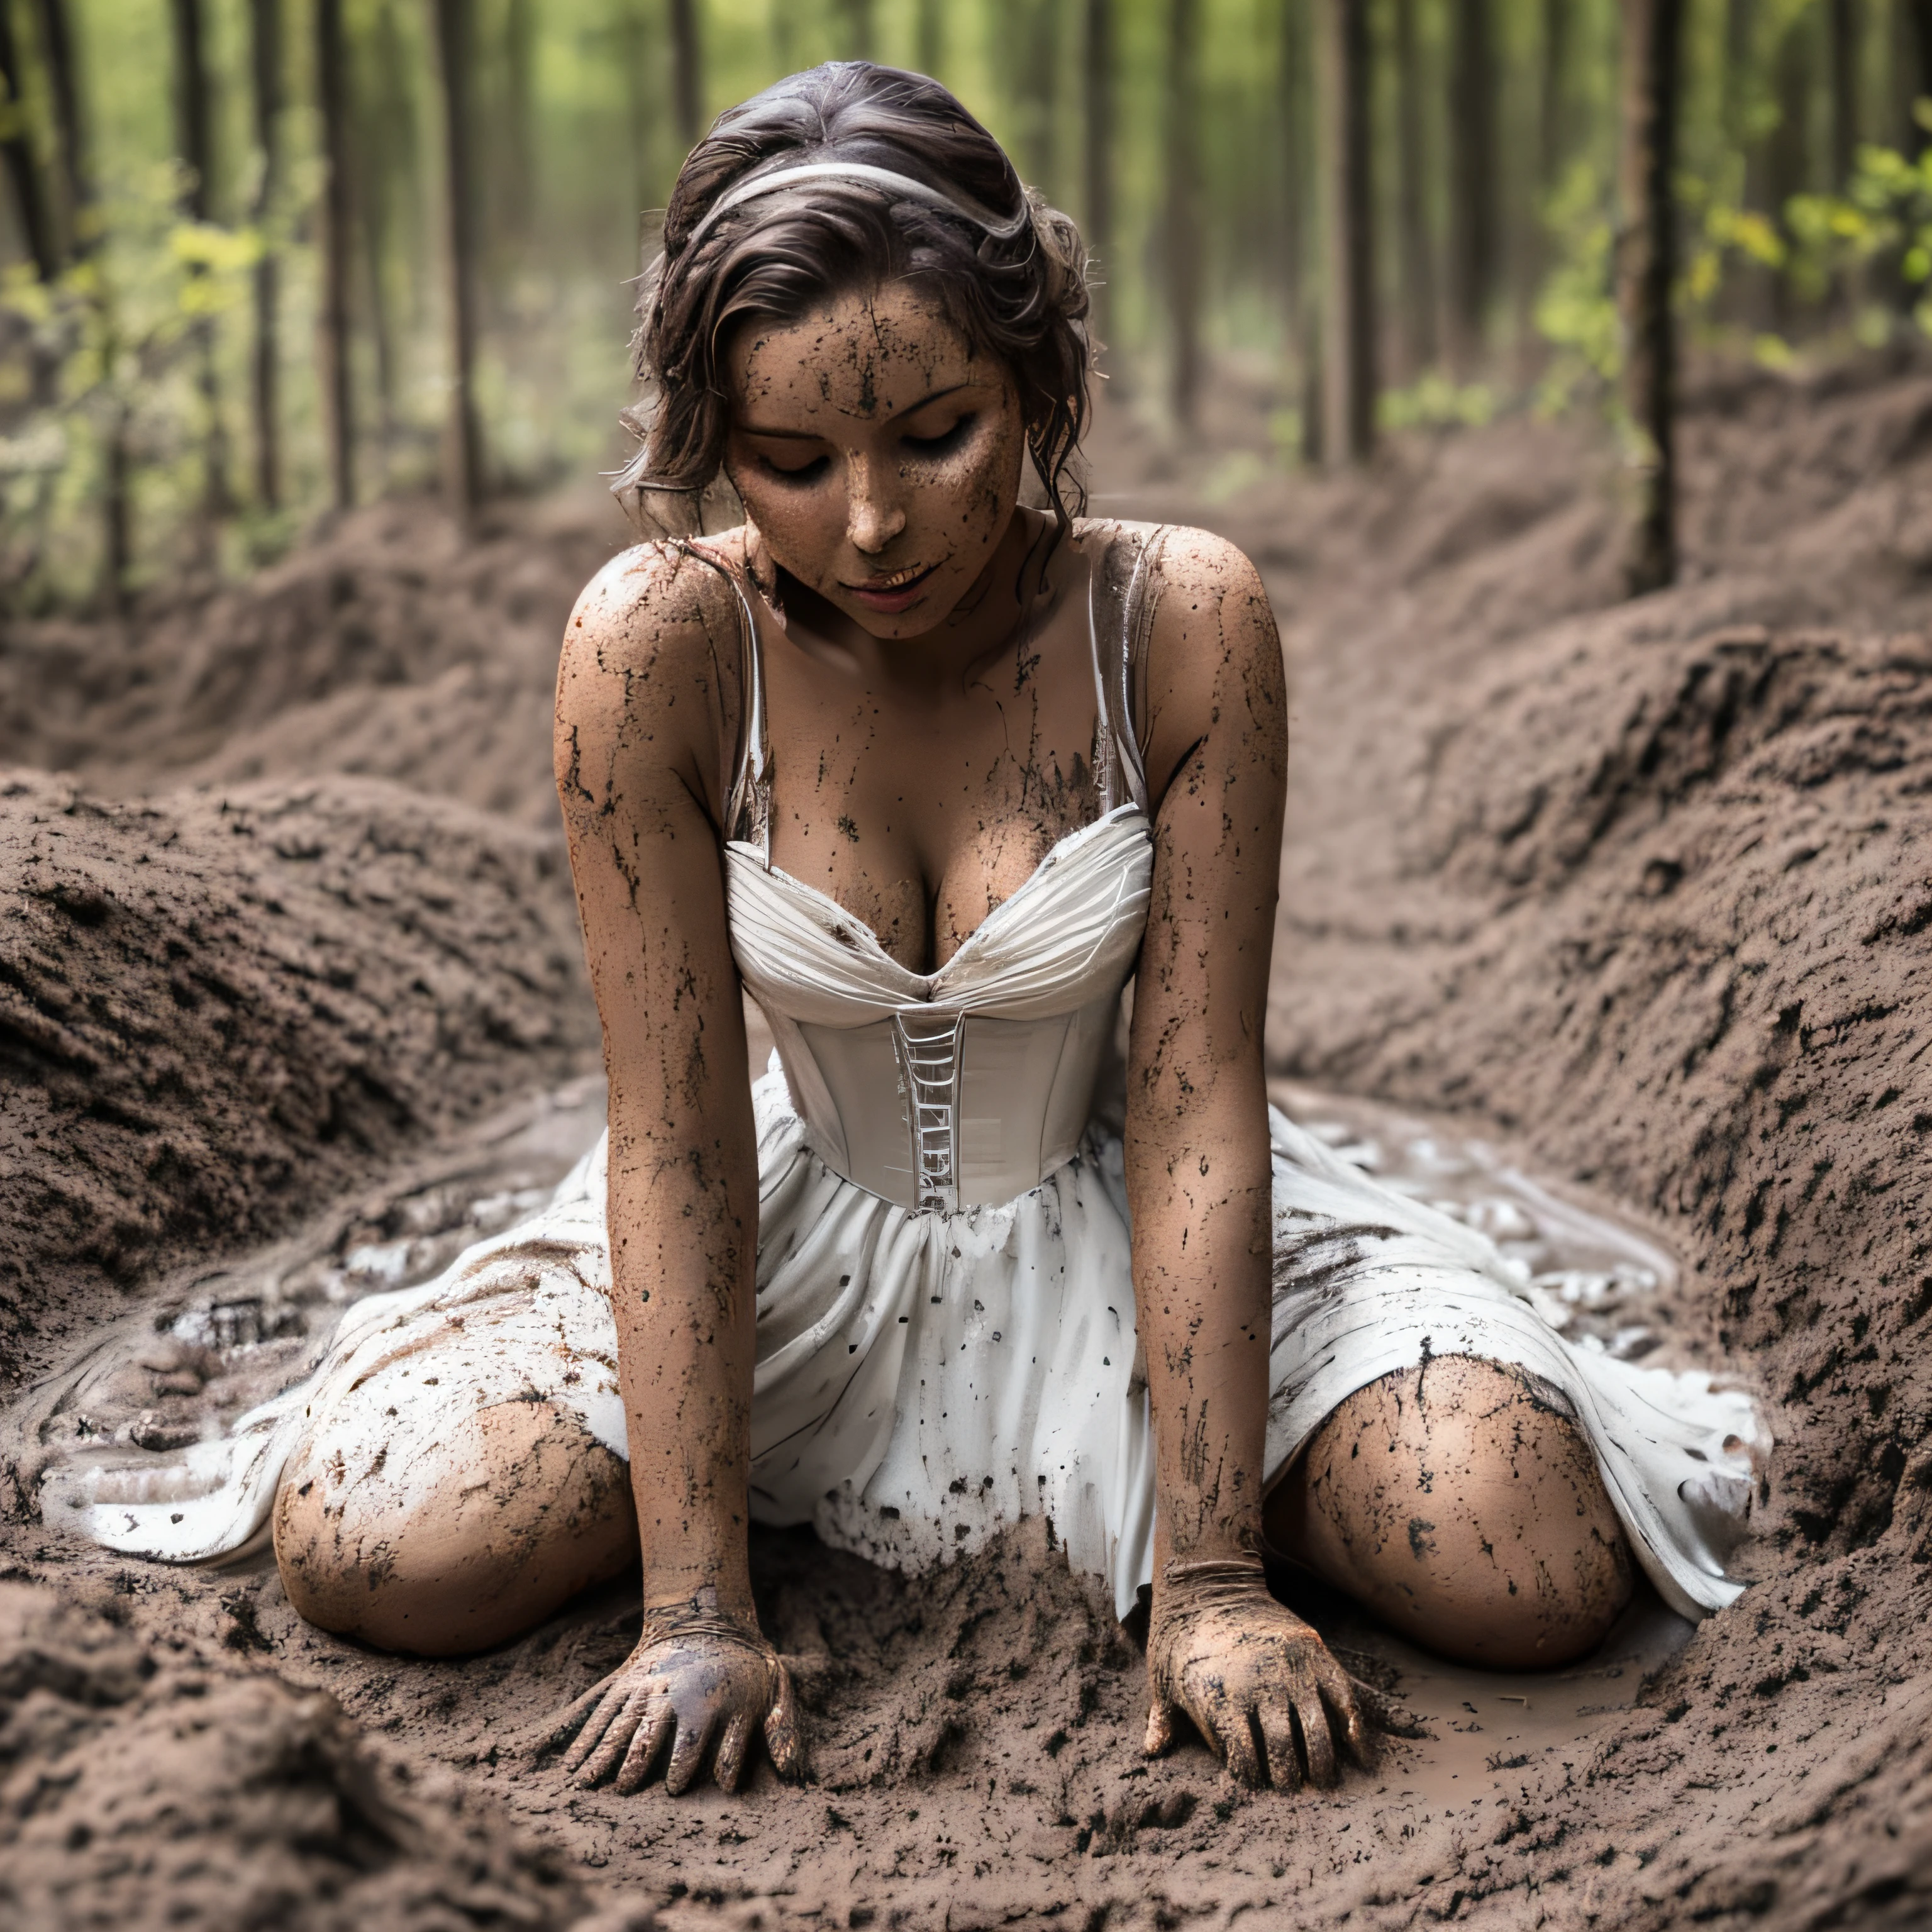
pixel 1017 291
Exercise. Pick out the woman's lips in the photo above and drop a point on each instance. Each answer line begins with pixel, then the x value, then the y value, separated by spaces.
pixel 894 591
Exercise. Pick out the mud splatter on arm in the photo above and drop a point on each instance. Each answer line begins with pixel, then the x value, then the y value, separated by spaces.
pixel 1197 1151
pixel 647 688
pixel 1252 1677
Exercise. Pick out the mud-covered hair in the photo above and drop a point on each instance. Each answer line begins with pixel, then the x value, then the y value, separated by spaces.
pixel 1015 290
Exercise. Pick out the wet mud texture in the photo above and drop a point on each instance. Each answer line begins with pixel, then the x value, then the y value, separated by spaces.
pixel 1641 888
pixel 218 1009
pixel 131 1778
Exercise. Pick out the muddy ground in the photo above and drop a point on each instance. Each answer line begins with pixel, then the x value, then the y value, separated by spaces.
pixel 1638 890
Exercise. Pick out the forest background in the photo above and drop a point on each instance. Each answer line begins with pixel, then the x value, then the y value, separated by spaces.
pixel 260 259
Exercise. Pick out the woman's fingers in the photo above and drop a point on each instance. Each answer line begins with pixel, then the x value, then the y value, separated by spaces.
pixel 729 1766
pixel 615 1742
pixel 626 1724
pixel 575 1719
pixel 655 1723
pixel 687 1754
pixel 1316 1739
pixel 1159 1740
pixel 1241 1751
pixel 784 1736
pixel 1347 1717
pixel 1277 1730
pixel 596 1726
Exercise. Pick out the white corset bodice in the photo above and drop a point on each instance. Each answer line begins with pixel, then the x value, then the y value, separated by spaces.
pixel 966 1086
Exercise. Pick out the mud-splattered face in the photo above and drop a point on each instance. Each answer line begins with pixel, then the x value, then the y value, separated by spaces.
pixel 878 456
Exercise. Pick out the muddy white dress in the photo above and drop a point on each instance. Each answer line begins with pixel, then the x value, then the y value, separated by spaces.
pixel 946 1338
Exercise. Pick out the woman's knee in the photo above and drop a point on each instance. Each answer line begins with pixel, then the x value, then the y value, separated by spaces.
pixel 455 1546
pixel 1461 1503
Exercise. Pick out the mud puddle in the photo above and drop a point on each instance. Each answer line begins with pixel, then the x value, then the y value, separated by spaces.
pixel 180 1368
pixel 1494 1731
pixel 1592 1271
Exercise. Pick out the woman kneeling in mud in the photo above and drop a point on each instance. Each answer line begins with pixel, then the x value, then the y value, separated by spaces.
pixel 932 775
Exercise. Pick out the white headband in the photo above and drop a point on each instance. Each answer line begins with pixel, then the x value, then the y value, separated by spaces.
pixel 903 187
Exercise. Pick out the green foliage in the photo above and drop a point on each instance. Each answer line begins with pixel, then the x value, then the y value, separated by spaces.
pixel 1885 214
pixel 1577 311
pixel 1437 401
pixel 110 340
pixel 111 364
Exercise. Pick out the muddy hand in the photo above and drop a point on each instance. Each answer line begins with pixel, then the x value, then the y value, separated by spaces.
pixel 701 1684
pixel 1258 1683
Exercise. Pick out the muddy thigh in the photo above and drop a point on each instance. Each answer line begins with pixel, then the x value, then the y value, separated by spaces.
pixel 464 1534
pixel 1460 1504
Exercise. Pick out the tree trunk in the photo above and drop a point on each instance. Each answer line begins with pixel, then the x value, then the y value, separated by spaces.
pixel 117 499
pixel 1842 23
pixel 687 86
pixel 463 448
pixel 1473 209
pixel 1348 231
pixel 266 23
pixel 1555 137
pixel 194 143
pixel 1842 29
pixel 1740 32
pixel 519 121
pixel 23 174
pixel 929 38
pixel 1652 58
pixel 639 46
pixel 1030 35
pixel 194 140
pixel 1917 16
pixel 1911 50
pixel 81 236
pixel 1748 297
pixel 1301 325
pixel 75 164
pixel 1788 156
pixel 1555 144
pixel 1418 250
pixel 384 166
pixel 338 402
pixel 1097 75
pixel 1183 251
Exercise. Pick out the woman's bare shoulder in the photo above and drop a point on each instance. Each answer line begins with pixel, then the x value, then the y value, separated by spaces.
pixel 1214 659
pixel 652 668
pixel 1199 561
pixel 655 606
pixel 1207 592
pixel 1197 558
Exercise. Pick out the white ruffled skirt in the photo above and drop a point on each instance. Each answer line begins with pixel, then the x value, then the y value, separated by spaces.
pixel 924 1379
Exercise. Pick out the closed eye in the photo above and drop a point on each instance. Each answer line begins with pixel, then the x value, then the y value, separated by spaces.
pixel 946 442
pixel 804 473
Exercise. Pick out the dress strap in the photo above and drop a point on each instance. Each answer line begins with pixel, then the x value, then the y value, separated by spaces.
pixel 1120 611
pixel 748 808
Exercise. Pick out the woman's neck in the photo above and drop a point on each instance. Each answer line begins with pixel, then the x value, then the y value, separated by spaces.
pixel 1015 587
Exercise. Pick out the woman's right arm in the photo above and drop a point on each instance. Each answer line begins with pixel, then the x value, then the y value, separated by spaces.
pixel 648 677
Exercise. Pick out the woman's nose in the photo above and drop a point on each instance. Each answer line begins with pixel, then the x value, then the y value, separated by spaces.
pixel 874 516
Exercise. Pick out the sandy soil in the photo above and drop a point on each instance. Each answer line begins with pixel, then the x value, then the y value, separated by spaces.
pixel 1638 890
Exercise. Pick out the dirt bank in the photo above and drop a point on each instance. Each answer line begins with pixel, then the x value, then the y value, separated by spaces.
pixel 1641 888
pixel 130 1781
pixel 386 647
pixel 218 1009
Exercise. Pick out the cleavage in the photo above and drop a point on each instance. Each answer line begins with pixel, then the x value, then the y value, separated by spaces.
pixel 919 837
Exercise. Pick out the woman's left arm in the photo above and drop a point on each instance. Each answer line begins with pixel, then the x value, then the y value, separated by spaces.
pixel 1247 1672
